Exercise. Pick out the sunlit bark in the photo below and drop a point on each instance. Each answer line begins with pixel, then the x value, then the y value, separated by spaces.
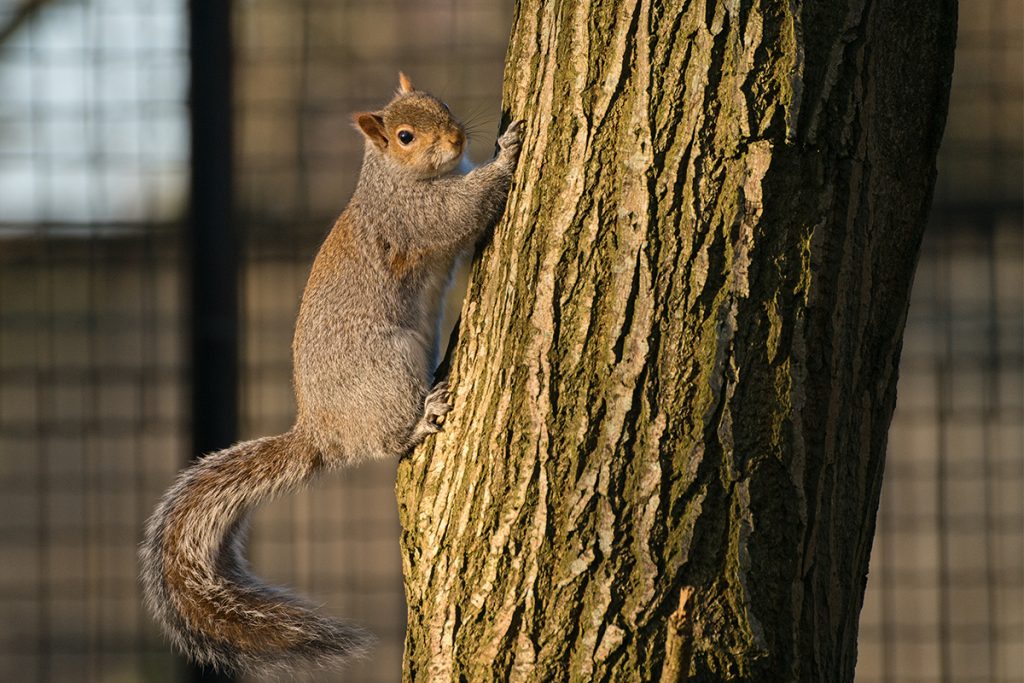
pixel 678 356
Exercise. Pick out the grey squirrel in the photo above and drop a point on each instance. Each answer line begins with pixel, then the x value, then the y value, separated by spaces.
pixel 362 354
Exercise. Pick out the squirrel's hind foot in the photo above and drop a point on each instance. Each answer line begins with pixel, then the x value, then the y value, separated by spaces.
pixel 435 406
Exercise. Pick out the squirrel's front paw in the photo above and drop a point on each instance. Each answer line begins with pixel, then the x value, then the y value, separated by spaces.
pixel 512 139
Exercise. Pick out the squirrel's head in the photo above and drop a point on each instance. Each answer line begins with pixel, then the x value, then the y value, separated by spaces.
pixel 416 131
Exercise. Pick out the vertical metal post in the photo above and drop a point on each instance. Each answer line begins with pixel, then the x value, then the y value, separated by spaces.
pixel 213 245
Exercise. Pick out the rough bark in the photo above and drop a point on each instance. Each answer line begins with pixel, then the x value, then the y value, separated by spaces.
pixel 678 356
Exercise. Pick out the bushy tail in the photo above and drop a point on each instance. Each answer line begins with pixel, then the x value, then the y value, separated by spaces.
pixel 196 579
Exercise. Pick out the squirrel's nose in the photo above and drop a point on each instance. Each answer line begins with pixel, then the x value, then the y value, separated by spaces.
pixel 458 140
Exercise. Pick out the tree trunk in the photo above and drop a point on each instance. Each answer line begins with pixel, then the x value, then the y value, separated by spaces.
pixel 678 356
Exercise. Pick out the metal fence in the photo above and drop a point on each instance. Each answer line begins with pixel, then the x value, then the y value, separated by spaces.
pixel 944 600
pixel 96 372
pixel 94 167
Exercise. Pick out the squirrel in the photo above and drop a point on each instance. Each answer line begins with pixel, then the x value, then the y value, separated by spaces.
pixel 363 354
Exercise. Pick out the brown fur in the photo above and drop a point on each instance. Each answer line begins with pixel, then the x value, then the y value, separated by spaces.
pixel 363 351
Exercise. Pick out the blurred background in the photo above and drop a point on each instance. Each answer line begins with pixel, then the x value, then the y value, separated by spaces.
pixel 113 375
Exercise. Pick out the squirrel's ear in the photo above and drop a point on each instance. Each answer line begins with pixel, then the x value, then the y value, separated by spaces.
pixel 404 84
pixel 372 126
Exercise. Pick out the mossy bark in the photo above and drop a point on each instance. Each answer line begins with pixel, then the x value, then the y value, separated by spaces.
pixel 678 356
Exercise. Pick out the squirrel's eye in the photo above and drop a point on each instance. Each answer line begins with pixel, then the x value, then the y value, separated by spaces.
pixel 405 136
